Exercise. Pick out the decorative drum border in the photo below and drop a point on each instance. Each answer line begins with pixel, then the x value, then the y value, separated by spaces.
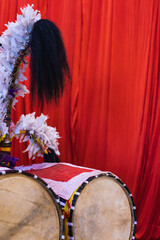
pixel 77 193
pixel 49 190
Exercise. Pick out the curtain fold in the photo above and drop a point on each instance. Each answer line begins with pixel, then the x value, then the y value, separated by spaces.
pixel 109 117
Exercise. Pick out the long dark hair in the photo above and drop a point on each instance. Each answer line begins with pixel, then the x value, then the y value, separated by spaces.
pixel 48 62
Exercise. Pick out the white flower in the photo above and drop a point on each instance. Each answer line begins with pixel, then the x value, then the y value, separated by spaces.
pixel 39 135
pixel 15 38
pixel 22 90
pixel 3 90
pixel 3 128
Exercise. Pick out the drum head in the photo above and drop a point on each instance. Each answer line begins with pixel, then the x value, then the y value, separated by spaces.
pixel 27 209
pixel 102 211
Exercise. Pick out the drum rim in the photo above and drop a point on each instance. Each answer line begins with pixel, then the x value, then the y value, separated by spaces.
pixel 47 187
pixel 123 186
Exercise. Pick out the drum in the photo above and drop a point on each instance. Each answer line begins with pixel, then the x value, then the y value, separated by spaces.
pixel 29 209
pixel 101 208
pixel 96 205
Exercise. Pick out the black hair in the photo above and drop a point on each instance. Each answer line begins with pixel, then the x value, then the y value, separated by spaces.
pixel 48 62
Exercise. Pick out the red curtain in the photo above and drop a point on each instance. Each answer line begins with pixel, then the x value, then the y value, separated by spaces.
pixel 109 118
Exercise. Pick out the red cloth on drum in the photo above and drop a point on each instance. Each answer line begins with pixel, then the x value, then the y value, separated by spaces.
pixel 63 178
pixel 59 172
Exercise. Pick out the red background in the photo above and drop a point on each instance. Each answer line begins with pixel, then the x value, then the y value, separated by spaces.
pixel 109 118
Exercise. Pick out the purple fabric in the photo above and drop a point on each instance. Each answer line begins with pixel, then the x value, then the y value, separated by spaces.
pixel 12 92
pixel 8 119
pixel 7 161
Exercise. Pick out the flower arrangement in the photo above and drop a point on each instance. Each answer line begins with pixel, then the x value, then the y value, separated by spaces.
pixel 14 47
pixel 40 136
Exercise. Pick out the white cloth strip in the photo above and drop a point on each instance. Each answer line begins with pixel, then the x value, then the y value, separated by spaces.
pixel 4 169
pixel 66 189
pixel 36 166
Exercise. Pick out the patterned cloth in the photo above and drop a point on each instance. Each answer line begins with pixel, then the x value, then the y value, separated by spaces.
pixel 63 178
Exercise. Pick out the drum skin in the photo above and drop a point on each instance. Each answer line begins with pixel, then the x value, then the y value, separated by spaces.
pixel 28 208
pixel 102 211
pixel 102 208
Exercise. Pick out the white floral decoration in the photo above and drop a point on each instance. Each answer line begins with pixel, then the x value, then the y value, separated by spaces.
pixel 39 135
pixel 3 129
pixel 14 38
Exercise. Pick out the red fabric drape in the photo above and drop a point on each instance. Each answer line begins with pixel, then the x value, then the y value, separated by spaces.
pixel 109 118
